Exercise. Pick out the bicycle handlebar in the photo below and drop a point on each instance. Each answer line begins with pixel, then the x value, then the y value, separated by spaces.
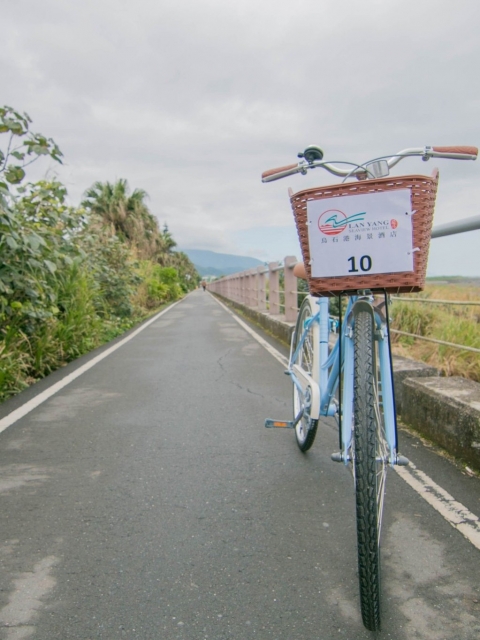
pixel 361 171
pixel 473 151
pixel 287 170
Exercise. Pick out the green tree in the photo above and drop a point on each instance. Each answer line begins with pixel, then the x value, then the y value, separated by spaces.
pixel 169 242
pixel 35 222
pixel 127 217
pixel 117 207
pixel 21 149
pixel 72 278
pixel 37 239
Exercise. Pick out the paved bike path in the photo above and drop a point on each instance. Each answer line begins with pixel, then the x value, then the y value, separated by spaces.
pixel 145 500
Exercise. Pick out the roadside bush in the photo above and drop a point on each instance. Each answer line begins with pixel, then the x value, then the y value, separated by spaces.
pixel 158 285
pixel 68 281
pixel 35 243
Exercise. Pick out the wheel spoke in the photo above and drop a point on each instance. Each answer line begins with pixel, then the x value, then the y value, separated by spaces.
pixel 382 457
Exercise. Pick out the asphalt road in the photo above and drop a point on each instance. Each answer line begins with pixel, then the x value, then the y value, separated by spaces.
pixel 145 500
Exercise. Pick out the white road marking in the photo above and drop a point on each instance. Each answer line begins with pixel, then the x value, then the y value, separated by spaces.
pixel 22 411
pixel 450 509
pixel 455 513
pixel 276 354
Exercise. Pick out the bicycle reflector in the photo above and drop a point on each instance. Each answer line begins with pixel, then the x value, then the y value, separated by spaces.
pixel 282 424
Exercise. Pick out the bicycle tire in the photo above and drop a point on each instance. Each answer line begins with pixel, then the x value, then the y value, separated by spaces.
pixel 369 466
pixel 306 429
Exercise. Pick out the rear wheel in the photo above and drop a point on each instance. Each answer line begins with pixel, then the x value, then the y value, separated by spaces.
pixel 370 453
pixel 307 359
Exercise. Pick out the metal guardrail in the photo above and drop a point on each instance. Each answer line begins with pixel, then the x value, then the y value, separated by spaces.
pixel 465 303
pixel 442 342
pixel 459 226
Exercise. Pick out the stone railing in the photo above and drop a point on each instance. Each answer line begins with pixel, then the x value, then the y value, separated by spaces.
pixel 270 289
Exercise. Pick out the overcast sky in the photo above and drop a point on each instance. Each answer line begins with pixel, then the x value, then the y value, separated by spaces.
pixel 191 100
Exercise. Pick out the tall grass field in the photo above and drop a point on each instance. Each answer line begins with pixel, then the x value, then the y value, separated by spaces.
pixel 458 324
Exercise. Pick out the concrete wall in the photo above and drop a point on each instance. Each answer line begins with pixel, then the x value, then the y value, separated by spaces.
pixel 447 410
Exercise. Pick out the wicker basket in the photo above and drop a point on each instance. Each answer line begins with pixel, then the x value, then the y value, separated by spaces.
pixel 422 189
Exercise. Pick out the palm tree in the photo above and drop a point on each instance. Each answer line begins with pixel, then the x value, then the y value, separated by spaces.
pixel 126 215
pixel 114 204
pixel 168 238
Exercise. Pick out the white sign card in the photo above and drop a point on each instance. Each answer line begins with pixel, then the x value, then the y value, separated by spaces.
pixel 360 234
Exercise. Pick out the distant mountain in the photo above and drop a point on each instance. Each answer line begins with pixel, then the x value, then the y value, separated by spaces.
pixel 209 263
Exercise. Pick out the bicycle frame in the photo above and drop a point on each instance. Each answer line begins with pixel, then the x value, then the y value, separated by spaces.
pixel 325 379
pixel 354 382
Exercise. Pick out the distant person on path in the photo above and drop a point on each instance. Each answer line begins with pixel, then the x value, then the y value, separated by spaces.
pixel 204 285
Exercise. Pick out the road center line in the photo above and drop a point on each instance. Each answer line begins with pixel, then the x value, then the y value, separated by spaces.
pixel 452 511
pixel 22 411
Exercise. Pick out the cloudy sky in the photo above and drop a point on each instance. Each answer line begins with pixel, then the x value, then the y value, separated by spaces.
pixel 191 100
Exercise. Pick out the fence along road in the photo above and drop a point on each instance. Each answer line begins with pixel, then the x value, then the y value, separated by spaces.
pixel 250 287
pixel 145 500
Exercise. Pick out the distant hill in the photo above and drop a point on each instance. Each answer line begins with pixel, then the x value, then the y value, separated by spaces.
pixel 209 263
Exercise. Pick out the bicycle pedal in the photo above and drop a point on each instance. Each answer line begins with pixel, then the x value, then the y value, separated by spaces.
pixel 282 424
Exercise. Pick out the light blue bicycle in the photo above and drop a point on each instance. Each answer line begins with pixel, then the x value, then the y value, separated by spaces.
pixel 353 379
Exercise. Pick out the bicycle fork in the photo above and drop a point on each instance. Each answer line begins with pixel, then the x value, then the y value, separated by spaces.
pixel 386 401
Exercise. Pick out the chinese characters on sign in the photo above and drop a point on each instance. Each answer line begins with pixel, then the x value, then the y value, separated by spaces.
pixel 360 234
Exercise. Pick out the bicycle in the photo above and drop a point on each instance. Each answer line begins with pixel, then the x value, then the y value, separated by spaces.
pixel 359 240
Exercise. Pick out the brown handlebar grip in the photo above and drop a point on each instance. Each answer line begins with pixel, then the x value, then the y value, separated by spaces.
pixel 471 151
pixel 272 172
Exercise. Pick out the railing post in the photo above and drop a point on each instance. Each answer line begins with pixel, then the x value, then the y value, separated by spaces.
pixel 291 295
pixel 254 281
pixel 274 288
pixel 251 284
pixel 235 288
pixel 261 292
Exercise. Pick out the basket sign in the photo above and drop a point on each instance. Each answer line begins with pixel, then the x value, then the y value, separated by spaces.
pixel 361 234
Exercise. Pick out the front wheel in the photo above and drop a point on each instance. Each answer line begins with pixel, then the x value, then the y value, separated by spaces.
pixel 370 466
pixel 307 359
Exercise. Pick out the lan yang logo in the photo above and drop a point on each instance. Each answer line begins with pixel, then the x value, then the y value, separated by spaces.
pixel 333 221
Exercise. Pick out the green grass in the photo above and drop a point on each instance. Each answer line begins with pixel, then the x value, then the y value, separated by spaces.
pixel 450 323
pixel 76 328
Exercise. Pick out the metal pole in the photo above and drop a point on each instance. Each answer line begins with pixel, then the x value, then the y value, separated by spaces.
pixel 459 226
